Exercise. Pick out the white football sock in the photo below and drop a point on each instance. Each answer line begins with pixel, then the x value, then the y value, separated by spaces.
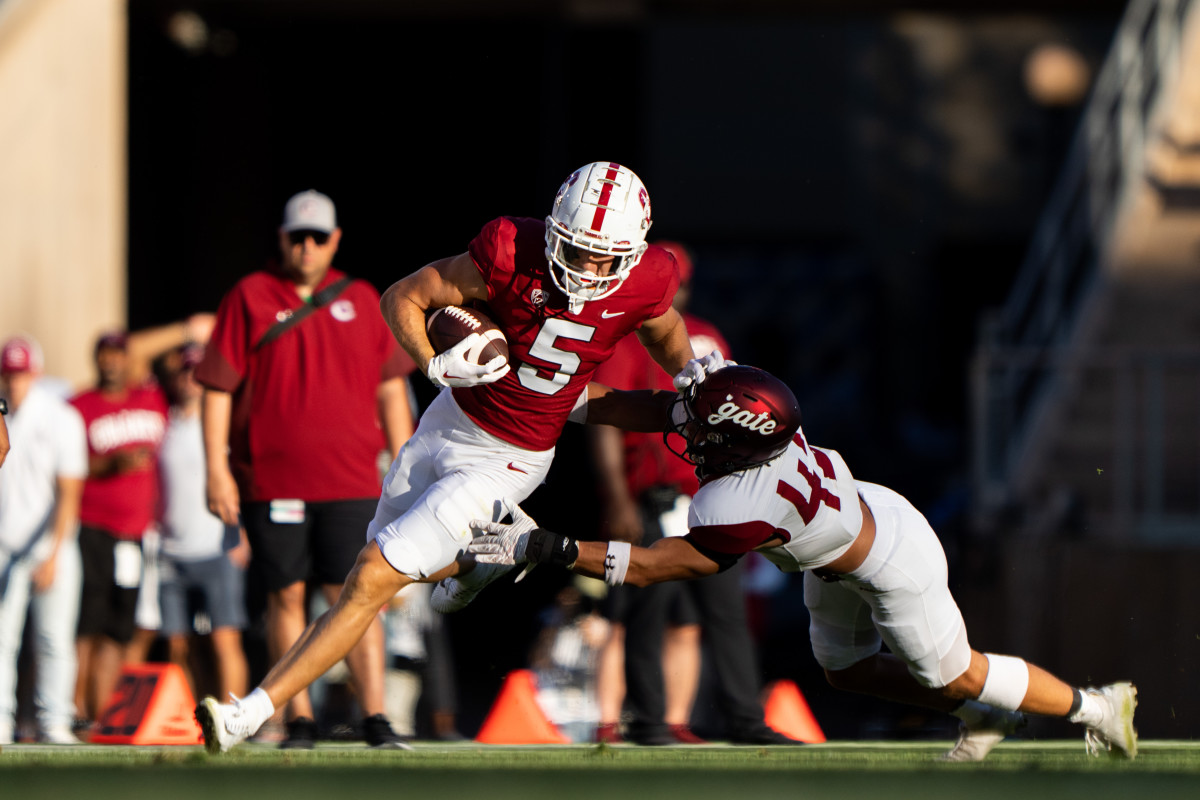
pixel 256 709
pixel 1091 711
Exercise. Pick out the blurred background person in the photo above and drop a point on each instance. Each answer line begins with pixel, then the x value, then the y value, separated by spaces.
pixel 304 385
pixel 565 656
pixel 40 492
pixel 202 558
pixel 125 416
pixel 646 493
pixel 406 621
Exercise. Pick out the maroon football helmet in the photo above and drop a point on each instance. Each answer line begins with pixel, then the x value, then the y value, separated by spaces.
pixel 738 417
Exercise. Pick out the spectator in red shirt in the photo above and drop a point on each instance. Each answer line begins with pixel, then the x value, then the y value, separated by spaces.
pixel 293 427
pixel 125 416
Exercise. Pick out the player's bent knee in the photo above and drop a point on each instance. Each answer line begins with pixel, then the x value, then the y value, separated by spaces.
pixel 373 580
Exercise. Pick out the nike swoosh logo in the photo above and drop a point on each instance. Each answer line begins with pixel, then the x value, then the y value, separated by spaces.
pixel 606 314
pixel 515 468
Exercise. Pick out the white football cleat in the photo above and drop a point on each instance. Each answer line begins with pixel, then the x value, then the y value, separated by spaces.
pixel 1115 730
pixel 223 724
pixel 455 594
pixel 983 728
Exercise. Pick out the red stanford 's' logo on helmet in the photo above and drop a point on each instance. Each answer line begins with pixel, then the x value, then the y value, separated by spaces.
pixel 739 417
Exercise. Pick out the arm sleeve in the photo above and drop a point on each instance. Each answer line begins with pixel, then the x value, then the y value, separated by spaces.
pixel 722 560
pixel 737 539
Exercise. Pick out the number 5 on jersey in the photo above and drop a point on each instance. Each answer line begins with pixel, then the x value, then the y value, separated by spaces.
pixel 565 363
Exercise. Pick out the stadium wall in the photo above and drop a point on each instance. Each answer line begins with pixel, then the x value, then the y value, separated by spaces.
pixel 63 175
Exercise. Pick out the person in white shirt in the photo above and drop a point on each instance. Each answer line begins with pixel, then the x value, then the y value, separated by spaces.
pixel 40 571
pixel 201 557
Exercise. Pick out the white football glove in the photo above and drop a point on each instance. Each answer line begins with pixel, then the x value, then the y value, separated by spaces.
pixel 696 370
pixel 451 368
pixel 500 543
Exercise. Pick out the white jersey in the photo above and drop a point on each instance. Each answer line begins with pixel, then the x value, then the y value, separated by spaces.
pixel 807 497
pixel 48 442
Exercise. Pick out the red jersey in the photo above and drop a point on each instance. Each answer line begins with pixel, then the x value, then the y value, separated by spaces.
pixel 648 462
pixel 123 504
pixel 553 353
pixel 305 422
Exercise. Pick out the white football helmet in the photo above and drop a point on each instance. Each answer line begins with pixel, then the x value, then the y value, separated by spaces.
pixel 601 208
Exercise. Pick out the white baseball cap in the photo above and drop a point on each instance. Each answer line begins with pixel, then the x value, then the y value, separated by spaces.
pixel 309 211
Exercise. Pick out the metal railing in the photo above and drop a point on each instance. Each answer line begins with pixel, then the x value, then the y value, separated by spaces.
pixel 1064 264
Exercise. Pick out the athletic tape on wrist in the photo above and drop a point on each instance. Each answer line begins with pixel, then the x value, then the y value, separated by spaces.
pixel 1007 682
pixel 616 562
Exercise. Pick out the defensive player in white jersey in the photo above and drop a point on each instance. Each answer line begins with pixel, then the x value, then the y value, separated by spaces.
pixel 874 569
pixel 564 290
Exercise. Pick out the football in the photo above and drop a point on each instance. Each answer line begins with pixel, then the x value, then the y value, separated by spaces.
pixel 448 326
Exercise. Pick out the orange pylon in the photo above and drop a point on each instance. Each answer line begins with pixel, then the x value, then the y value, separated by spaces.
pixel 516 717
pixel 786 711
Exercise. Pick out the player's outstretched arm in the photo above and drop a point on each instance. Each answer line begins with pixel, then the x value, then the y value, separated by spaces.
pixel 522 542
pixel 643 410
pixel 669 559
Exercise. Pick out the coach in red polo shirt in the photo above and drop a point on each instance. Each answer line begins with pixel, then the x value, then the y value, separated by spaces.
pixel 293 427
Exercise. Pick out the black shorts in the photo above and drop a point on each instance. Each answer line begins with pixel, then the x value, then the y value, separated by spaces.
pixel 321 547
pixel 619 601
pixel 106 608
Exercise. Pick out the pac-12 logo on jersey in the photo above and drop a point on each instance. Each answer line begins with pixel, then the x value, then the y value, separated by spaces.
pixel 538 297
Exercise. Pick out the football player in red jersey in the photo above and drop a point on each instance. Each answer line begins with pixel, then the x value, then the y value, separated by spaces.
pixel 874 569
pixel 564 290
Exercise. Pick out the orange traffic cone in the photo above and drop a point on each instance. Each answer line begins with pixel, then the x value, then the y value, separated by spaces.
pixel 787 712
pixel 151 704
pixel 516 717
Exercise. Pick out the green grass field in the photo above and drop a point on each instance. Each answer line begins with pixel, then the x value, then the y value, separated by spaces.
pixel 1022 769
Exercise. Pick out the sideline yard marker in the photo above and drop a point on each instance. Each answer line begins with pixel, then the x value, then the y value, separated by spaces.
pixel 151 704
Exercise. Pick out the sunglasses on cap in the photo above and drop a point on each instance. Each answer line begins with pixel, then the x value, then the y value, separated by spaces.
pixel 319 237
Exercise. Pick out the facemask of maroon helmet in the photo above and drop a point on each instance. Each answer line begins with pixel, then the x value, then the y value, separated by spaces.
pixel 739 417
